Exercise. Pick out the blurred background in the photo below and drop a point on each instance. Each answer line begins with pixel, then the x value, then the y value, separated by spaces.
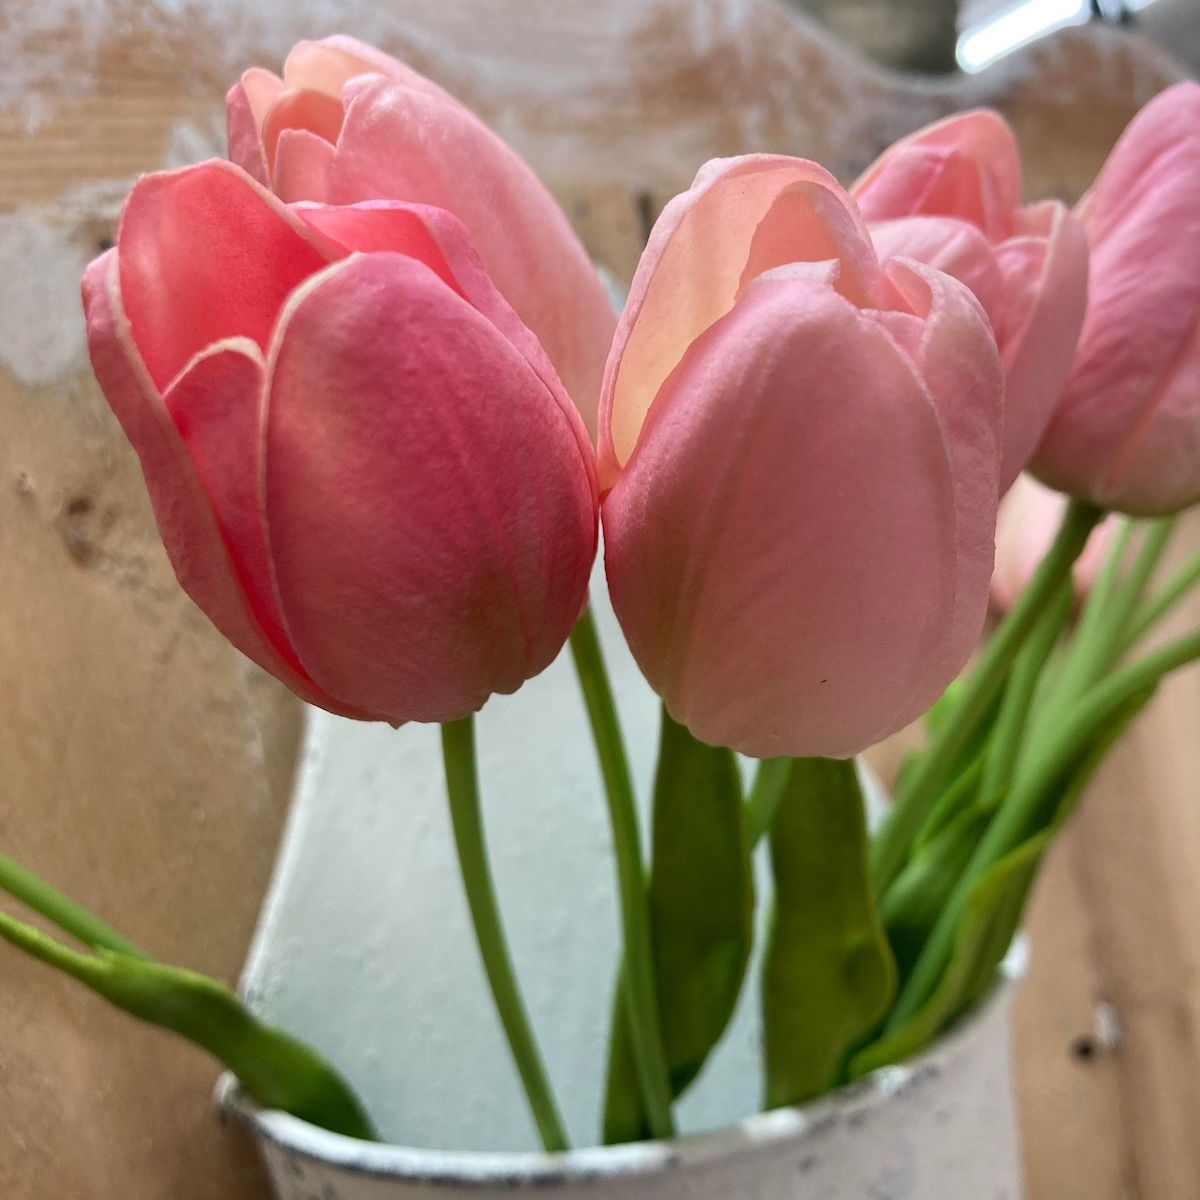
pixel 968 35
pixel 146 768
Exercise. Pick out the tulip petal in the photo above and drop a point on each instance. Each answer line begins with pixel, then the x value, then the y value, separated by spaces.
pixel 1045 270
pixel 186 521
pixel 763 628
pixel 741 217
pixel 206 254
pixel 302 162
pixel 329 64
pixel 966 166
pixel 1156 145
pixel 1029 517
pixel 246 106
pixel 440 240
pixel 403 143
pixel 429 514
pixel 956 247
pixel 216 404
pixel 1126 433
pixel 307 109
pixel 961 368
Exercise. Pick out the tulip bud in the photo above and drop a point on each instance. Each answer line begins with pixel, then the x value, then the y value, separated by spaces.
pixel 1029 518
pixel 803 451
pixel 1127 432
pixel 348 123
pixel 364 469
pixel 950 196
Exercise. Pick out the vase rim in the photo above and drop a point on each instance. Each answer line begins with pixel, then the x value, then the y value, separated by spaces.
pixel 644 1160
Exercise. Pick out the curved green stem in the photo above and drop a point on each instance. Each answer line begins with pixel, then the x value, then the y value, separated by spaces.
pixel 1004 744
pixel 1110 609
pixel 1031 792
pixel 275 1068
pixel 640 998
pixel 462 787
pixel 921 787
pixel 70 917
pixel 1089 629
pixel 1163 601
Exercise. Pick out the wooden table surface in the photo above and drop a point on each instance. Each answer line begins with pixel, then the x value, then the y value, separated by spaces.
pixel 146 765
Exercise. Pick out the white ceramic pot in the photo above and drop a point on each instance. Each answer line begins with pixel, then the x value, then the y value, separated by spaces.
pixel 365 951
pixel 940 1128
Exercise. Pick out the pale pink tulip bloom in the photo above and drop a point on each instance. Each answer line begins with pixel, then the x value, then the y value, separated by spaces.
pixel 1127 433
pixel 950 196
pixel 803 451
pixel 1029 519
pixel 364 468
pixel 347 122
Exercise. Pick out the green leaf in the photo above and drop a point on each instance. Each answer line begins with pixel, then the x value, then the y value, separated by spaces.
pixel 701 898
pixel 913 903
pixel 959 795
pixel 274 1067
pixel 993 910
pixel 829 974
pixel 935 718
pixel 992 915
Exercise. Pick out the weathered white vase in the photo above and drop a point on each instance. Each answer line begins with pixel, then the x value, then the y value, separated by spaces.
pixel 365 950
pixel 940 1128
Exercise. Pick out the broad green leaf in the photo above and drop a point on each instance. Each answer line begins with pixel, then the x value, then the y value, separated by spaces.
pixel 829 975
pixel 993 910
pixel 274 1067
pixel 701 897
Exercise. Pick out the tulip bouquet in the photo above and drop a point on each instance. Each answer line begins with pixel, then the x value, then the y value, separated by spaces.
pixel 380 407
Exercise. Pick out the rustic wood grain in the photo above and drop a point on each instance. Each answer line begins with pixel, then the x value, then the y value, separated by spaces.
pixel 145 770
pixel 1134 853
pixel 145 765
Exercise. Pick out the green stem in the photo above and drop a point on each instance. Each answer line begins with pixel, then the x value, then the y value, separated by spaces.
pixel 1161 603
pixel 1109 613
pixel 770 780
pixel 640 998
pixel 1004 744
pixel 70 917
pixel 914 800
pixel 276 1069
pixel 1089 630
pixel 1032 790
pixel 462 787
pixel 1129 595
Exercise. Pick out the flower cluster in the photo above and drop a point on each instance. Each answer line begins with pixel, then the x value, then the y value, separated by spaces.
pixel 383 408
pixel 345 363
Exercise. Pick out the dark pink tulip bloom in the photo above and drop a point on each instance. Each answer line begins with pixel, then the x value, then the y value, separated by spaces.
pixel 347 122
pixel 364 468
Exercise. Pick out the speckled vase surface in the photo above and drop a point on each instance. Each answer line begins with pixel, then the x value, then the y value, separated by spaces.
pixel 939 1128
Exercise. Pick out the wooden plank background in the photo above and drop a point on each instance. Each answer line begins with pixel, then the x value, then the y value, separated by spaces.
pixel 145 766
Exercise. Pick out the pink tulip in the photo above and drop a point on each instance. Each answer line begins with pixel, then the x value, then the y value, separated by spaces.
pixel 803 451
pixel 364 469
pixel 950 196
pixel 1029 518
pixel 348 123
pixel 1127 433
